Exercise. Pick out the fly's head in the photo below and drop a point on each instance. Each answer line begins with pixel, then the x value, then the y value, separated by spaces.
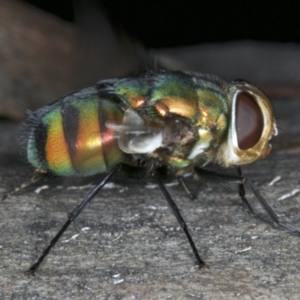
pixel 251 127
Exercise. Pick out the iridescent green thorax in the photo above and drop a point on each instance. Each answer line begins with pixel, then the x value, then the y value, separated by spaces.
pixel 203 104
pixel 213 119
pixel 193 106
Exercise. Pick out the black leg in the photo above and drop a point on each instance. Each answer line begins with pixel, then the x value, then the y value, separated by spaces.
pixel 183 184
pixel 225 178
pixel 268 208
pixel 179 218
pixel 242 192
pixel 72 216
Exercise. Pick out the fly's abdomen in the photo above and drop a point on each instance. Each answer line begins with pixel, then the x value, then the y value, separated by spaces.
pixel 71 137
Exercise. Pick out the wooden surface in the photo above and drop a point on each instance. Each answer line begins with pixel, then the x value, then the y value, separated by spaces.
pixel 129 245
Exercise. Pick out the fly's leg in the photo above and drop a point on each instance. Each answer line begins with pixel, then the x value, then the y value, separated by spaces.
pixel 36 177
pixel 72 216
pixel 225 178
pixel 269 210
pixel 178 216
pixel 183 184
pixel 242 191
pixel 162 173
pixel 165 173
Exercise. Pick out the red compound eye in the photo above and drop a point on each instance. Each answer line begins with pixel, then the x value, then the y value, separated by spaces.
pixel 249 121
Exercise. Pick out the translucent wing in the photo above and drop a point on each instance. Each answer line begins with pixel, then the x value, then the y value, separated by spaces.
pixel 135 136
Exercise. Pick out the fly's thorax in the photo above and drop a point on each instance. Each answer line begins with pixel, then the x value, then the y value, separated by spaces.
pixel 184 117
pixel 252 125
pixel 213 120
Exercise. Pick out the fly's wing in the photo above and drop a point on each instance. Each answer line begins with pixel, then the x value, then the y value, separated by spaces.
pixel 135 136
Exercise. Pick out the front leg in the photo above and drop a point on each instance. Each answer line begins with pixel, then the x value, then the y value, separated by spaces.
pixel 243 181
pixel 242 191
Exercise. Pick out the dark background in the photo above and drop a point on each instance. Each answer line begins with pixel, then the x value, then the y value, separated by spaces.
pixel 172 23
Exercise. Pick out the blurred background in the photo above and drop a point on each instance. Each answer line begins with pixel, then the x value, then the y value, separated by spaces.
pixel 51 48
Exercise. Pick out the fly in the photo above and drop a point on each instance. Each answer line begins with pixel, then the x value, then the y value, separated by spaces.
pixel 168 122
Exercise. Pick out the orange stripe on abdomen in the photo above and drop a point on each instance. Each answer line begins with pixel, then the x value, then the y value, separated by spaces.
pixel 88 158
pixel 56 148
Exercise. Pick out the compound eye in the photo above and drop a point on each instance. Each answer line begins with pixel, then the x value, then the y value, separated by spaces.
pixel 249 121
